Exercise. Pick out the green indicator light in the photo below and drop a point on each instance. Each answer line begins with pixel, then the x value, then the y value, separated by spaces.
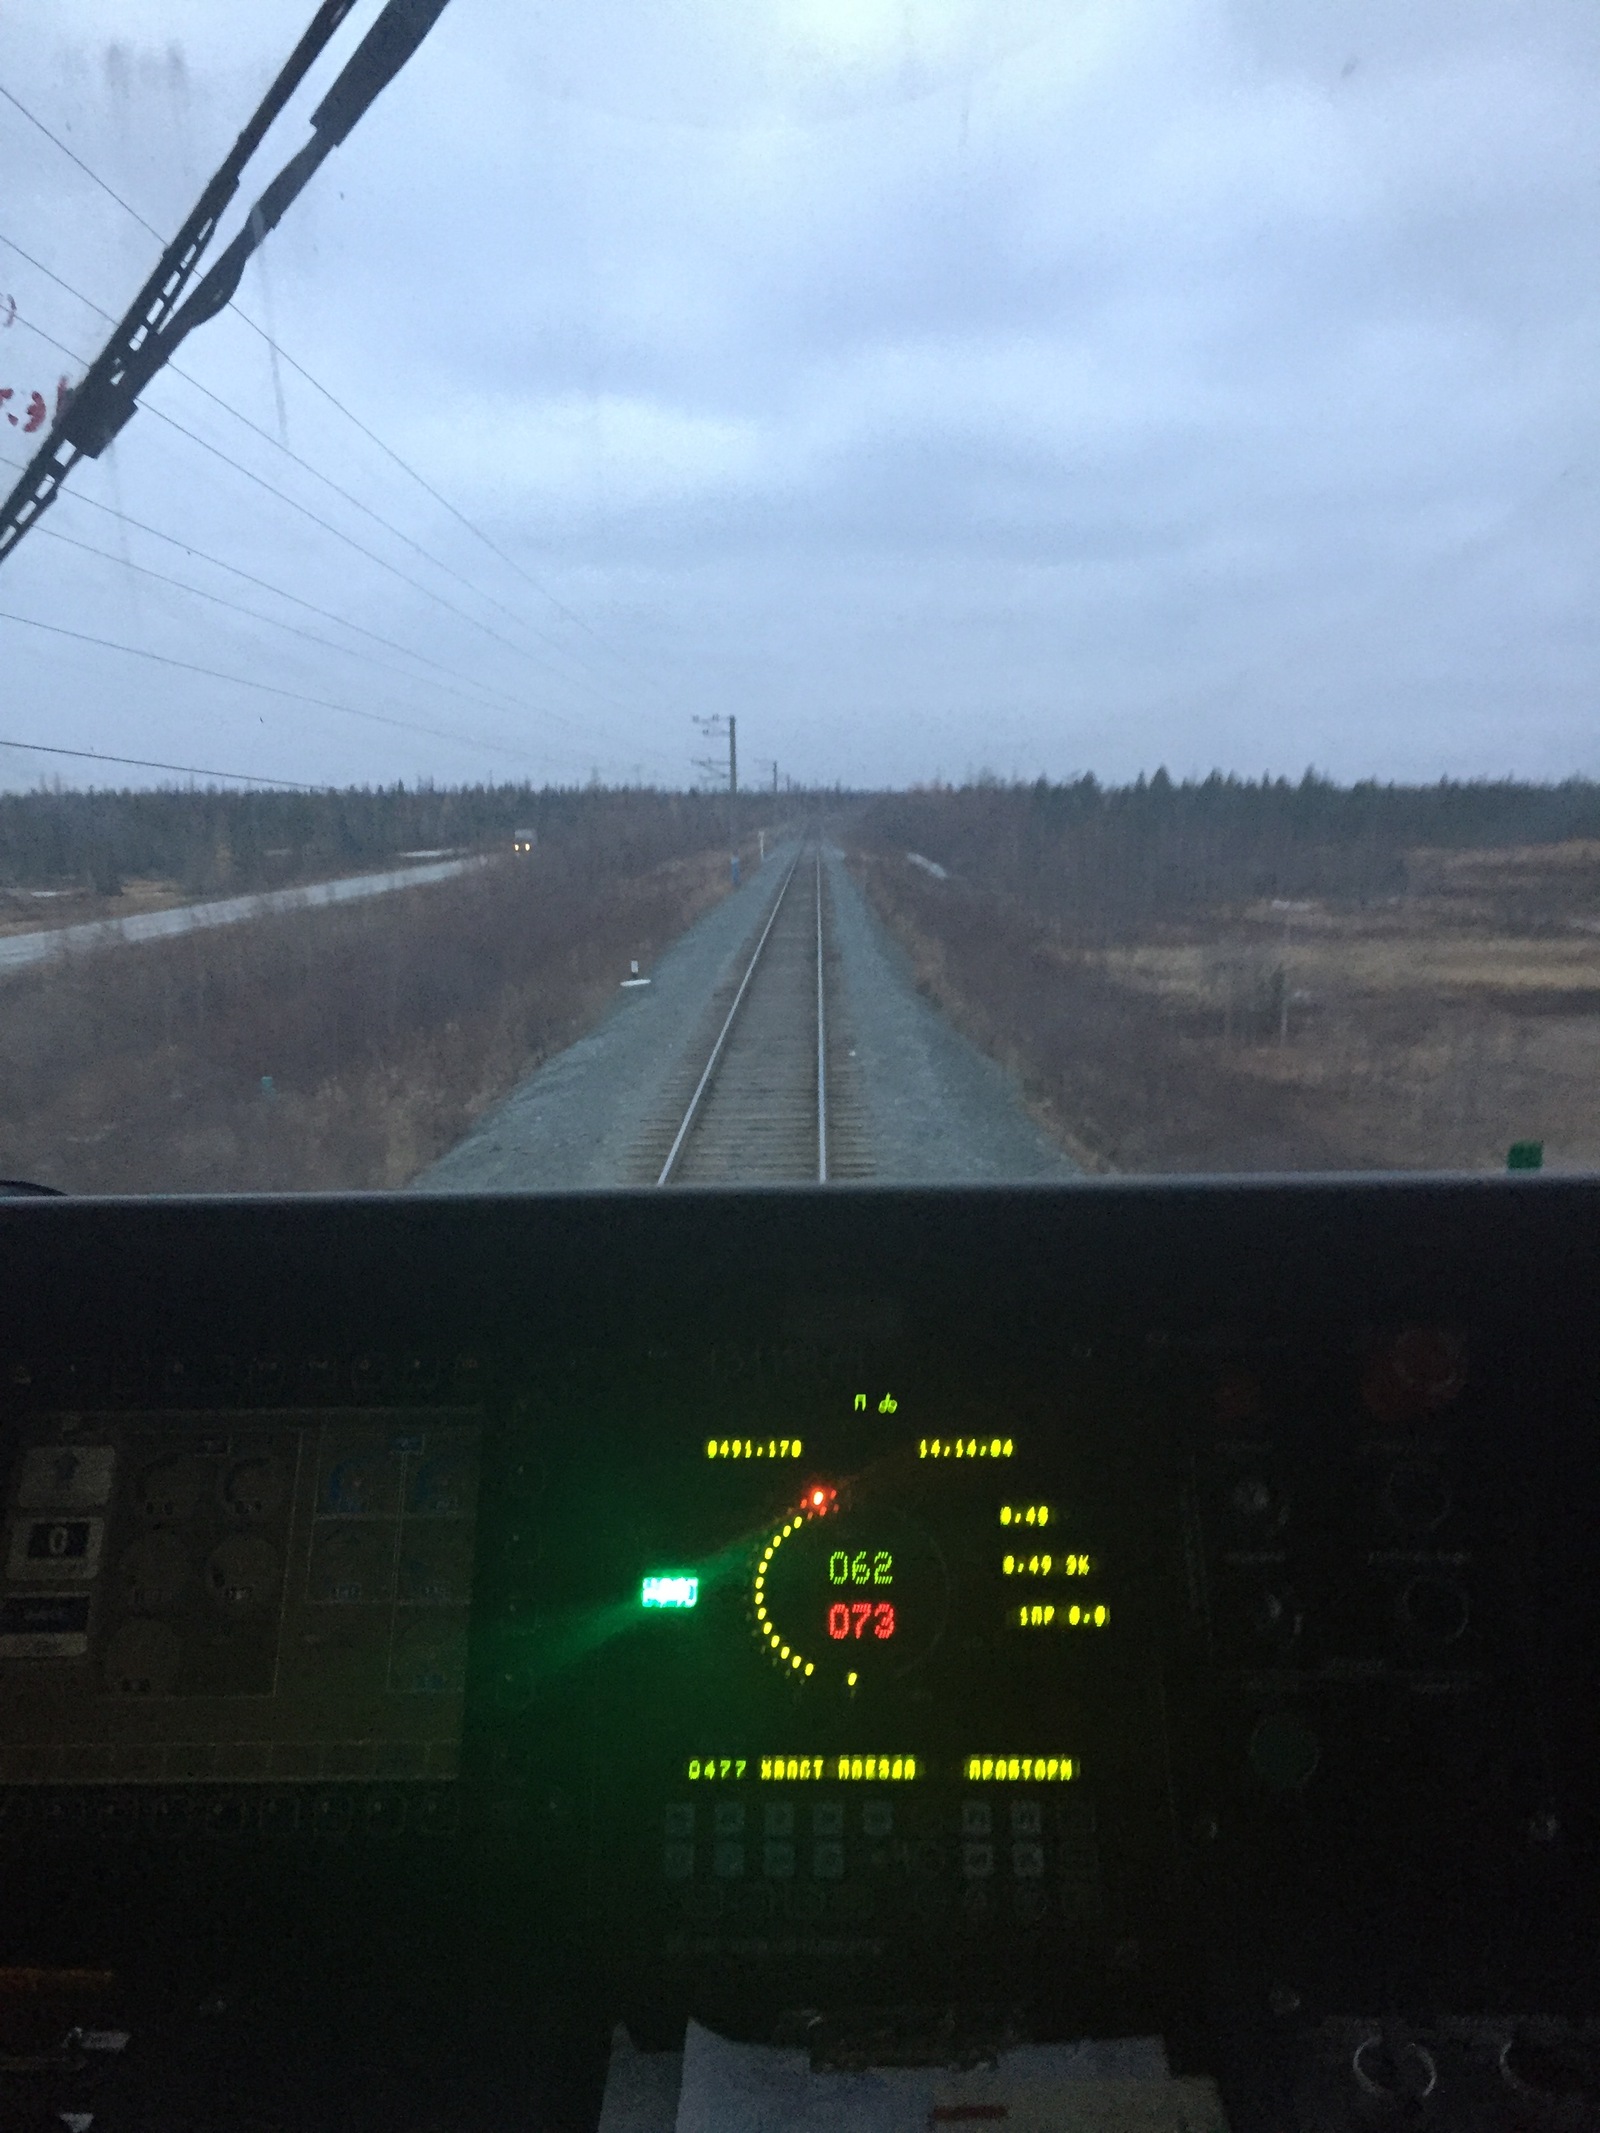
pixel 669 1591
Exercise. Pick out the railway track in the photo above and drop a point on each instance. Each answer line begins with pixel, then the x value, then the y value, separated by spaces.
pixel 766 1095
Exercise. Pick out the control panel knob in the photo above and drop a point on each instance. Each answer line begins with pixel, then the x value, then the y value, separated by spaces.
pixel 1395 2073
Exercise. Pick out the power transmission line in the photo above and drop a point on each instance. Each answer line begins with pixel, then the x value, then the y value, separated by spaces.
pixel 278 445
pixel 327 525
pixel 179 293
pixel 269 688
pixel 72 157
pixel 422 483
pixel 293 502
pixel 239 415
pixel 141 762
pixel 275 622
pixel 280 592
pixel 332 399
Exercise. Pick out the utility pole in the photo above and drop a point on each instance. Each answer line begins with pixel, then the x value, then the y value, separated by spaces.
pixel 711 727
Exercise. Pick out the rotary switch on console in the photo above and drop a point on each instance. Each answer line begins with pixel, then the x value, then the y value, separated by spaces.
pixel 1394 2071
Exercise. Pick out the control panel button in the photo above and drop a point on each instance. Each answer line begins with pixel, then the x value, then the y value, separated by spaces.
pixel 827 1862
pixel 727 1861
pixel 777 1860
pixel 677 1861
pixel 977 1861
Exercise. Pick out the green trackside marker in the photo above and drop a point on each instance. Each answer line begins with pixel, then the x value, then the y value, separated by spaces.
pixel 670 1589
pixel 1525 1155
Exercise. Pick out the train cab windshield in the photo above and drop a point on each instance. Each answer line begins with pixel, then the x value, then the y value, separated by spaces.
pixel 799 1005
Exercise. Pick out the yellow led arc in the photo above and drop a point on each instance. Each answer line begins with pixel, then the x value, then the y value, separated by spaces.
pixel 784 1654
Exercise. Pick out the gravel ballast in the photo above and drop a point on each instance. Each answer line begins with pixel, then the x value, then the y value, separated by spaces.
pixel 936 1111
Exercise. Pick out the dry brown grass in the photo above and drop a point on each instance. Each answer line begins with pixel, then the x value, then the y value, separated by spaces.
pixel 386 1027
pixel 1428 1030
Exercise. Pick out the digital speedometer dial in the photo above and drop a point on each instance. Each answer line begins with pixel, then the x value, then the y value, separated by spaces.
pixel 844 1597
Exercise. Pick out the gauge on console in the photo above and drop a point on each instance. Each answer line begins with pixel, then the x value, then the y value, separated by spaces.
pixel 843 1596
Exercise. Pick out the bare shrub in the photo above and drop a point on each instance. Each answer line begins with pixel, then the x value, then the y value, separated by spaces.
pixel 344 1046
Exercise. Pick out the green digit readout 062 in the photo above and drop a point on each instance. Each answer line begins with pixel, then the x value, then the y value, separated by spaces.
pixel 862 1568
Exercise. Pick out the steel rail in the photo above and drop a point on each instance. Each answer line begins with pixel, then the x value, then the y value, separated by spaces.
pixel 822 1048
pixel 704 1083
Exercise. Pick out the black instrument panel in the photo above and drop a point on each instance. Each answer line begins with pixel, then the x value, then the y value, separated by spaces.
pixel 1132 1606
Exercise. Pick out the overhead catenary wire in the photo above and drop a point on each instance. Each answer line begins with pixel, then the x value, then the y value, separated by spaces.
pixel 281 592
pixel 316 472
pixel 275 622
pixel 144 762
pixel 329 396
pixel 293 502
pixel 338 532
pixel 348 414
pixel 269 688
pixel 527 577
pixel 73 157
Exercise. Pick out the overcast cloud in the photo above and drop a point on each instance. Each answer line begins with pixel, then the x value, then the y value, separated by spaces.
pixel 1031 385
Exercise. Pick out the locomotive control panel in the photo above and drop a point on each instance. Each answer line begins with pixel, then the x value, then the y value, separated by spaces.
pixel 1163 1611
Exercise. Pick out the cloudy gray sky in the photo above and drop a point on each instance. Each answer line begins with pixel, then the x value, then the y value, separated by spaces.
pixel 1030 385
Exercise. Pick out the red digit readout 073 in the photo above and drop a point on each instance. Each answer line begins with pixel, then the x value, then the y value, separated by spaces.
pixel 851 1620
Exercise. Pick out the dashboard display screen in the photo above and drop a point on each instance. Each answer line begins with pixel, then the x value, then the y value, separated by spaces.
pixel 881 1595
pixel 851 1666
pixel 262 1597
